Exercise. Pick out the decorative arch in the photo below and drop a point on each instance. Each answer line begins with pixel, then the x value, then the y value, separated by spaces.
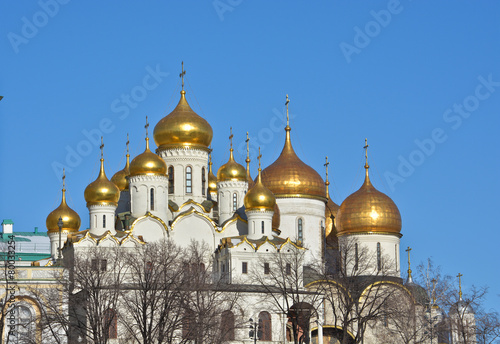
pixel 266 329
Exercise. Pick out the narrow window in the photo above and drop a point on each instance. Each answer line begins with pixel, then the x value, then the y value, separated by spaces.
pixel 95 221
pixel 379 257
pixel 104 264
pixel 265 331
pixel 152 192
pixel 266 269
pixel 262 225
pixel 222 266
pixel 288 269
pixel 356 256
pixel 104 221
pixel 244 267
pixel 227 326
pixel 171 180
pixel 235 201
pixel 110 323
pixel 203 181
pixel 189 186
pixel 299 230
pixel 95 264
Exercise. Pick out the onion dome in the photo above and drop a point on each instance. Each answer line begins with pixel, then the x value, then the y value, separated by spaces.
pixel 120 177
pixel 331 209
pixel 231 170
pixel 102 191
pixel 368 210
pixel 259 197
pixel 212 179
pixel 71 220
pixel 276 217
pixel 183 128
pixel 288 176
pixel 148 163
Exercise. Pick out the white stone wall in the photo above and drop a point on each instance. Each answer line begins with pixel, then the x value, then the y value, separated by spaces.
pixel 97 213
pixel 226 190
pixel 255 220
pixel 180 158
pixel 140 196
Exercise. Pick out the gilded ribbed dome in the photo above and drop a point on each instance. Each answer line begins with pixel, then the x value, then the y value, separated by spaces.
pixel 288 176
pixel 102 191
pixel 120 177
pixel 183 128
pixel 259 197
pixel 368 210
pixel 148 163
pixel 212 179
pixel 71 220
pixel 231 170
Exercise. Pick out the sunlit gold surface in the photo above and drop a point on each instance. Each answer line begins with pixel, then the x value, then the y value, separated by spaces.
pixel 276 217
pixel 71 220
pixel 212 179
pixel 101 190
pixel 368 210
pixel 259 197
pixel 288 176
pixel 231 170
pixel 148 163
pixel 182 128
pixel 120 177
pixel 331 209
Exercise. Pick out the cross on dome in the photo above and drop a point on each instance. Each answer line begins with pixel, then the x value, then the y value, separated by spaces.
pixel 183 72
pixel 287 117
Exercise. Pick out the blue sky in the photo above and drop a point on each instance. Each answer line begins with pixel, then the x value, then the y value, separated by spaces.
pixel 419 79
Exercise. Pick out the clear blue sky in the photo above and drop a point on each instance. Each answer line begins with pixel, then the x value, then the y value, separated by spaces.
pixel 392 72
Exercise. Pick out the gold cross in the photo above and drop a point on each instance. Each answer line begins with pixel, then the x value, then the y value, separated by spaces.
pixel 64 177
pixel 128 142
pixel 248 148
pixel 146 126
pixel 182 75
pixel 287 117
pixel 102 147
pixel 460 285
pixel 259 157
pixel 409 263
pixel 366 152
pixel 326 165
pixel 231 136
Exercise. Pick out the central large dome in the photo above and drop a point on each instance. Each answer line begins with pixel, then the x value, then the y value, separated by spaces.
pixel 289 176
pixel 183 128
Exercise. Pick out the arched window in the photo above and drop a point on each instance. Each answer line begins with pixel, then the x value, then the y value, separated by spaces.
pixel 111 323
pixel 203 181
pixel 356 256
pixel 227 326
pixel 379 257
pixel 171 180
pixel 235 201
pixel 24 325
pixel 104 221
pixel 300 234
pixel 95 221
pixel 265 326
pixel 188 325
pixel 152 198
pixel 189 180
pixel 262 225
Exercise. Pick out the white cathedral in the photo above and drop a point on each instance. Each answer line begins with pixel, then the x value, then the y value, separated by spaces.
pixel 173 194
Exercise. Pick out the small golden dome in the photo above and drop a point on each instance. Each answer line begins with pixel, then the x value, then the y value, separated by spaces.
pixel 183 128
pixel 148 163
pixel 331 209
pixel 101 190
pixel 368 210
pixel 212 179
pixel 259 197
pixel 276 217
pixel 288 176
pixel 231 170
pixel 120 178
pixel 71 220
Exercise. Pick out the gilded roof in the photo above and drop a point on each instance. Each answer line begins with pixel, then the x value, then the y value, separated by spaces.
pixel 259 197
pixel 120 177
pixel 231 170
pixel 70 218
pixel 101 190
pixel 148 163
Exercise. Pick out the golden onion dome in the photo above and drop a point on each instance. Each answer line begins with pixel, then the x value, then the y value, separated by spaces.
pixel 259 197
pixel 276 217
pixel 250 181
pixel 148 163
pixel 288 176
pixel 331 209
pixel 183 128
pixel 212 179
pixel 368 210
pixel 102 191
pixel 231 170
pixel 71 220
pixel 120 178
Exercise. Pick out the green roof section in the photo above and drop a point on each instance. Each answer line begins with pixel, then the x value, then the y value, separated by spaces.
pixel 7 222
pixel 30 257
